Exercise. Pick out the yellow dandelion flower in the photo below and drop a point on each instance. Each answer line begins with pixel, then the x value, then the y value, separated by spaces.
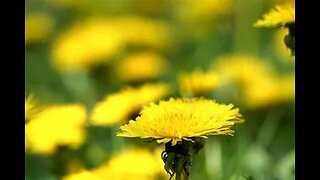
pixel 197 83
pixel 121 106
pixel 132 165
pixel 86 44
pixel 265 91
pixel 182 119
pixel 38 27
pixel 141 66
pixel 241 69
pixel 56 125
pixel 279 16
pixel 139 31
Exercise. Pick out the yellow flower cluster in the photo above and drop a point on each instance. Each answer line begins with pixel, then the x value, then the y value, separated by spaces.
pixel 96 41
pixel 182 119
pixel 119 107
pixel 56 125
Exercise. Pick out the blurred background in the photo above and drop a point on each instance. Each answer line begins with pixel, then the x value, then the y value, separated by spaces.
pixel 91 66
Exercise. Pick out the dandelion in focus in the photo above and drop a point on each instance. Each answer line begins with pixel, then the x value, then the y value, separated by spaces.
pixel 141 66
pixel 182 124
pixel 197 83
pixel 119 107
pixel 281 16
pixel 54 126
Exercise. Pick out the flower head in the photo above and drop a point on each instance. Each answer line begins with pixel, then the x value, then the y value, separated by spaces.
pixel 279 16
pixel 54 126
pixel 120 107
pixel 182 119
pixel 198 83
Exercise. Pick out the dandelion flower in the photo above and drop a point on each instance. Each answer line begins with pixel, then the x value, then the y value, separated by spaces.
pixel 86 45
pixel 120 107
pixel 279 16
pixel 141 66
pixel 182 119
pixel 198 83
pixel 283 16
pixel 54 126
pixel 182 124
pixel 38 27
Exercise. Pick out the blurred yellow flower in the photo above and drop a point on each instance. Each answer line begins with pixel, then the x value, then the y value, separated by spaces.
pixel 141 66
pixel 56 125
pixel 82 175
pixel 138 31
pixel 86 44
pixel 120 107
pixel 182 119
pixel 279 16
pixel 197 83
pixel 240 69
pixel 267 90
pixel 38 27
pixel 281 49
pixel 138 164
pixel 133 165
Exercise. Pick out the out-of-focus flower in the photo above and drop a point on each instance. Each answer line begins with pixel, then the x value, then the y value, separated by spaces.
pixel 119 107
pixel 141 66
pixel 198 83
pixel 182 119
pixel 38 27
pixel 240 69
pixel 86 44
pixel 268 90
pixel 129 165
pixel 54 126
pixel 82 175
pixel 138 31
pixel 279 16
pixel 132 165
